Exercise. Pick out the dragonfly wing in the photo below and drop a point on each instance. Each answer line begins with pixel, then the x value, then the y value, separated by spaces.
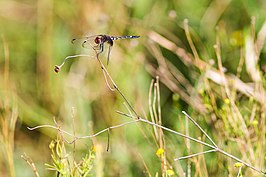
pixel 87 42
pixel 89 47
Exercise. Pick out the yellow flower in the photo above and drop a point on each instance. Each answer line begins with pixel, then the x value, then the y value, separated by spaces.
pixel 93 149
pixel 254 122
pixel 160 151
pixel 226 101
pixel 170 172
pixel 238 164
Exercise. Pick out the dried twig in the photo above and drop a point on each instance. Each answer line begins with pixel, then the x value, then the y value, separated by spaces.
pixel 31 164
pixel 193 155
pixel 81 137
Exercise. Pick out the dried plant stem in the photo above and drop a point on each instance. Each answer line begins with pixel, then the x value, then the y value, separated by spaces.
pixel 167 129
pixel 193 155
pixel 214 148
pixel 156 122
pixel 139 119
pixel 220 150
pixel 106 73
pixel 81 137
pixel 150 108
pixel 192 46
pixel 9 113
pixel 31 164
pixel 188 150
pixel 194 122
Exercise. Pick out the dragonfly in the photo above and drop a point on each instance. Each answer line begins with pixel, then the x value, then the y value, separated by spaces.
pixel 97 42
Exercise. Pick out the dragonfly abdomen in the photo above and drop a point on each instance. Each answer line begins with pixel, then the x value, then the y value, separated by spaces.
pixel 123 37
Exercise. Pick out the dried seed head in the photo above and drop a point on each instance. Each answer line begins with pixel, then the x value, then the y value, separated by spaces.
pixel 57 69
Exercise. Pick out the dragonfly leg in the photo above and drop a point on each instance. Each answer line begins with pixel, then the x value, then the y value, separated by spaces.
pixel 96 47
pixel 101 46
pixel 108 54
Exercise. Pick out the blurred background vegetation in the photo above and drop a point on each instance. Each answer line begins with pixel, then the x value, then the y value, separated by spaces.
pixel 36 35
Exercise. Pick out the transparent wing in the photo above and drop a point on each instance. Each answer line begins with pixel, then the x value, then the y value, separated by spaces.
pixel 92 48
pixel 87 42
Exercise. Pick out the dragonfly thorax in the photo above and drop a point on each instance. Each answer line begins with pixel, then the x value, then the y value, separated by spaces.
pixel 102 39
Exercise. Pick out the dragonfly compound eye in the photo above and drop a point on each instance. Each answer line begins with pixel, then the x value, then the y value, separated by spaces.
pixel 98 40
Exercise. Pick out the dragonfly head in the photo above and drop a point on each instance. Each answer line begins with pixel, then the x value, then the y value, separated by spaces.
pixel 98 40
